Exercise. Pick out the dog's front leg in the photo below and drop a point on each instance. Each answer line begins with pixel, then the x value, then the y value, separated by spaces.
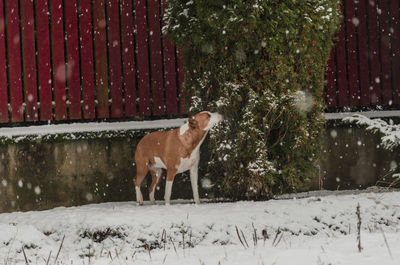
pixel 193 179
pixel 168 186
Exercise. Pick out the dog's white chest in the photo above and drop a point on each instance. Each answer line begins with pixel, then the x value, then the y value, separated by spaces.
pixel 188 163
pixel 194 158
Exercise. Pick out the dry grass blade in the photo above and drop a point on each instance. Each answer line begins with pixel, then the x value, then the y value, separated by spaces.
pixel 59 249
pixel 164 237
pixel 358 227
pixel 183 240
pixel 279 240
pixel 244 238
pixel 26 260
pixel 148 249
pixel 255 239
pixel 7 259
pixel 278 231
pixel 240 239
pixel 190 239
pixel 48 259
pixel 89 253
pixel 170 239
pixel 165 257
pixel 265 235
pixel 386 243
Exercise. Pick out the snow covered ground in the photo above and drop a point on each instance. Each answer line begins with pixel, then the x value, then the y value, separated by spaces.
pixel 312 230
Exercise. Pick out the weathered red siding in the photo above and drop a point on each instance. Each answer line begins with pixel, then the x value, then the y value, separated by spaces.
pixel 96 59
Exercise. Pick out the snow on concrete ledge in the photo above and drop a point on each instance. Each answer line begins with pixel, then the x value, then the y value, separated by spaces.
pixel 53 129
pixel 88 127
pixel 368 114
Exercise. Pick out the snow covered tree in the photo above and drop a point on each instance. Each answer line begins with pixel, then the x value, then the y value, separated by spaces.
pixel 262 64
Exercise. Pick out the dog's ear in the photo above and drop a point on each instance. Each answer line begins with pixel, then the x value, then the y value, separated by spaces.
pixel 193 123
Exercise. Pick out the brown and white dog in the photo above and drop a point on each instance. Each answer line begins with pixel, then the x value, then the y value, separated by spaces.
pixel 176 151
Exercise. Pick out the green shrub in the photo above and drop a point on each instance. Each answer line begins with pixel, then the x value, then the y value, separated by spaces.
pixel 262 64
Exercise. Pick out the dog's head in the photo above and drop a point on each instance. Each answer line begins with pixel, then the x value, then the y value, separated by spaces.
pixel 204 120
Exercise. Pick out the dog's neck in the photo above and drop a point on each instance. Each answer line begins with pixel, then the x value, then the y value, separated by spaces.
pixel 192 138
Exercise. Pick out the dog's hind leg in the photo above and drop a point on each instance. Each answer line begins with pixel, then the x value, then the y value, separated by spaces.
pixel 141 172
pixel 155 178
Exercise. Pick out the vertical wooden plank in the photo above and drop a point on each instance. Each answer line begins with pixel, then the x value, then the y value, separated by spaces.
pixel 59 77
pixel 363 52
pixel 114 49
pixel 395 26
pixel 181 79
pixel 330 93
pixel 156 58
pixel 128 59
pixel 373 40
pixel 14 59
pixel 86 46
pixel 170 72
pixel 73 71
pixel 43 42
pixel 100 47
pixel 352 62
pixel 386 77
pixel 170 77
pixel 341 68
pixel 3 69
pixel 29 60
pixel 142 57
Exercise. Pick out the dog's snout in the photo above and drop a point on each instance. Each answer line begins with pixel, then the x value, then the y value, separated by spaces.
pixel 220 116
pixel 217 117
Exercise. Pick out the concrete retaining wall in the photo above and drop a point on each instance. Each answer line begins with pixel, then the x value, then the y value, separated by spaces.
pixel 44 175
pixel 354 159
pixel 41 175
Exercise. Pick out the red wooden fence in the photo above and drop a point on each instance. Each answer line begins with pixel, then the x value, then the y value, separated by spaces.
pixel 364 68
pixel 86 59
pixel 101 59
